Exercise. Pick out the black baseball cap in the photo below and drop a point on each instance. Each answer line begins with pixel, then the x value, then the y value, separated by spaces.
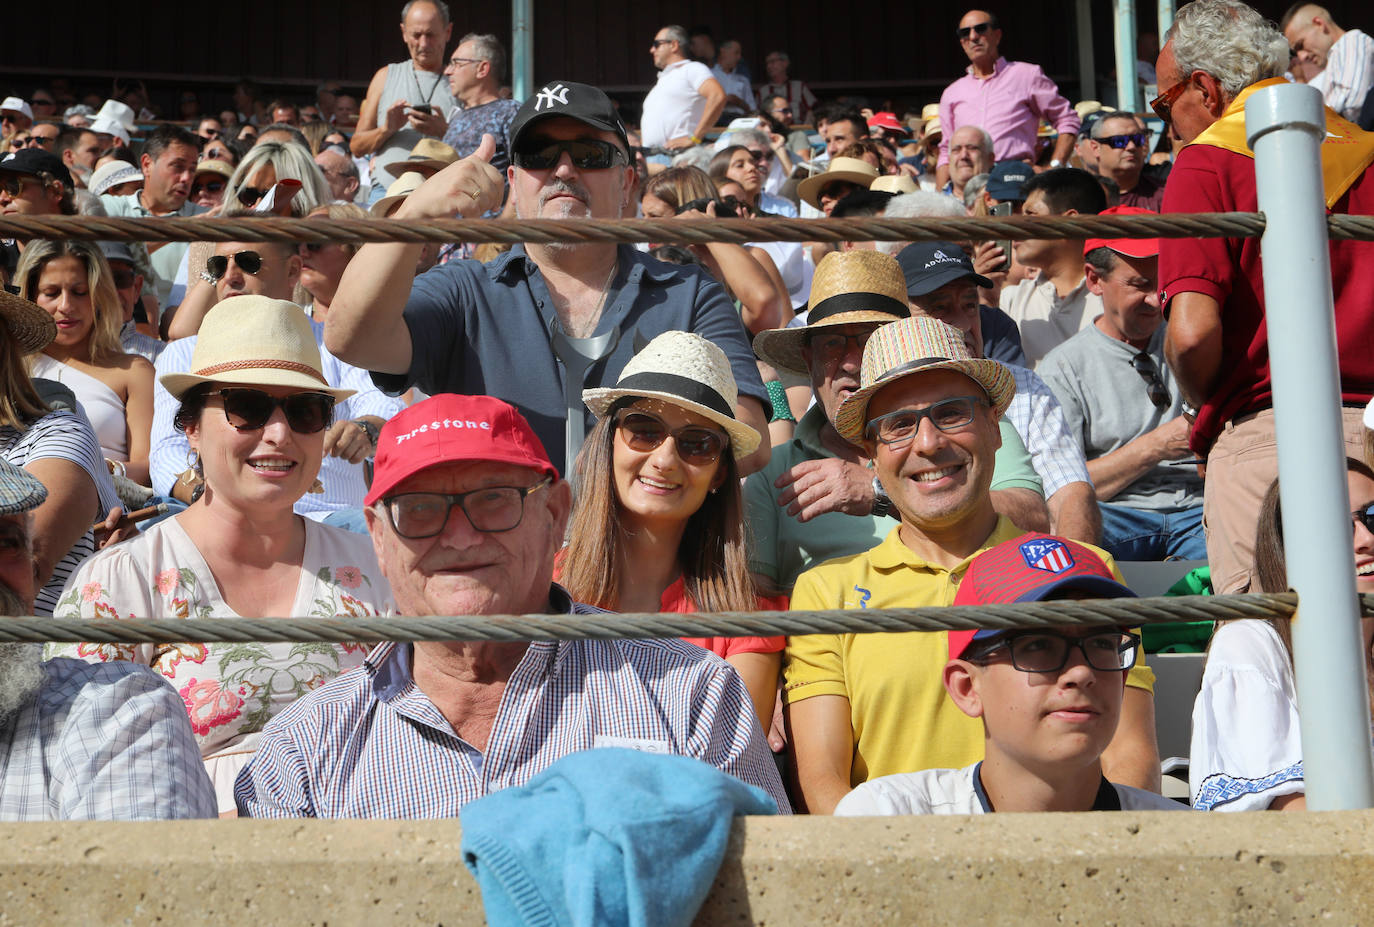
pixel 582 102
pixel 929 265
pixel 32 161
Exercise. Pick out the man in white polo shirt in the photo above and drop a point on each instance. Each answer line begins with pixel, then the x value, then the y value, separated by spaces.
pixel 686 101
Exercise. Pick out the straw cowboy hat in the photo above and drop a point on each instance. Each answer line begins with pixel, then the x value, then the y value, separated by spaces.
pixel 255 341
pixel 849 288
pixel 687 371
pixel 31 327
pixel 400 188
pixel 428 157
pixel 853 170
pixel 913 346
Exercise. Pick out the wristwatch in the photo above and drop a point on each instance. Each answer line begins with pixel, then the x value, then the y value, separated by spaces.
pixel 369 429
pixel 882 505
pixel 1055 162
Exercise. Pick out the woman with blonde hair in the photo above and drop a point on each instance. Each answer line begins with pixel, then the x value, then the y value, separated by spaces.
pixel 72 282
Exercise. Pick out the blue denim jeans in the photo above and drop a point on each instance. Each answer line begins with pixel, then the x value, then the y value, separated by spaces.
pixel 1138 534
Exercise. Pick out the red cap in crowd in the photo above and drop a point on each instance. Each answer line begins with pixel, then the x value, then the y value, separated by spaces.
pixel 1131 247
pixel 451 428
pixel 1030 568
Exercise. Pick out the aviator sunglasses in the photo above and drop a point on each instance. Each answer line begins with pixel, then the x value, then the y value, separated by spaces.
pixel 250 409
pixel 1124 141
pixel 250 262
pixel 588 154
pixel 695 444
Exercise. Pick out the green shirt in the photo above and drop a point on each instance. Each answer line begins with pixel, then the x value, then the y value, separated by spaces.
pixel 784 548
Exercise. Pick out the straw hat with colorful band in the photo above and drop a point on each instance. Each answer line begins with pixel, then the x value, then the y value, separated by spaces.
pixel 913 346
pixel 1131 247
pixel 850 170
pixel 849 288
pixel 31 327
pixel 429 156
pixel 255 341
pixel 688 371
pixel 400 188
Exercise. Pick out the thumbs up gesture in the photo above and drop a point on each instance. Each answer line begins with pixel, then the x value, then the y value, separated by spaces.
pixel 469 188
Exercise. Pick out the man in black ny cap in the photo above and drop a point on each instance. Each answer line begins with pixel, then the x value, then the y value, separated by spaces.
pixel 544 321
pixel 34 182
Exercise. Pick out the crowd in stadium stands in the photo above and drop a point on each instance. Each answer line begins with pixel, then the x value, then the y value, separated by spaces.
pixel 257 429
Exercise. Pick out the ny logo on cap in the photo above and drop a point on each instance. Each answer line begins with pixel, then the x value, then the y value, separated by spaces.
pixel 1047 554
pixel 551 95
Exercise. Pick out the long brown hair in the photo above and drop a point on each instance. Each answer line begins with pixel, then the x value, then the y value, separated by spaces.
pixel 712 555
pixel 103 343
pixel 679 185
pixel 20 404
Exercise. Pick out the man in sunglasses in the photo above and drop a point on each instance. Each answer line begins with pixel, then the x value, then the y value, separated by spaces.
pixel 1217 54
pixel 1121 148
pixel 1007 98
pixel 684 103
pixel 926 413
pixel 466 513
pixel 515 327
pixel 1124 409
pixel 128 282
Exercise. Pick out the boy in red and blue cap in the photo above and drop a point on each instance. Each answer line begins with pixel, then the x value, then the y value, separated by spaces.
pixel 1049 698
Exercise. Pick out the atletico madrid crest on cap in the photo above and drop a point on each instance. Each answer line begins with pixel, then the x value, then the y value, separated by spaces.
pixel 1047 554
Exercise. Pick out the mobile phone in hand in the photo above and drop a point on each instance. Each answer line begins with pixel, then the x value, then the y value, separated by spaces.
pixel 424 108
pixel 1003 209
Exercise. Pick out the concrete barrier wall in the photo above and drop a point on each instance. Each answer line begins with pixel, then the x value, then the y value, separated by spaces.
pixel 1125 868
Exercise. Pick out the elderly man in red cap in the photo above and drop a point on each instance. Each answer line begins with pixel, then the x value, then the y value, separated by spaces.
pixel 1123 405
pixel 466 513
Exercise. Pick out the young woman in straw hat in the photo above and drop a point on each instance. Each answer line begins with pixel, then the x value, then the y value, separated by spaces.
pixel 659 523
pixel 54 445
pixel 73 283
pixel 255 409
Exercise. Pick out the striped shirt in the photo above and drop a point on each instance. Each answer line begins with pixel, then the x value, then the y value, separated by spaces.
pixel 343 481
pixel 107 741
pixel 370 744
pixel 1039 419
pixel 1348 75
pixel 63 435
pixel 134 341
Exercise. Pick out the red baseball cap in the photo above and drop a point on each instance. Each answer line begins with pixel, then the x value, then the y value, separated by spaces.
pixel 1131 247
pixel 887 121
pixel 448 428
pixel 1030 568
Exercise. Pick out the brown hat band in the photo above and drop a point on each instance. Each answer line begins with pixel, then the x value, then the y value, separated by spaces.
pixel 258 364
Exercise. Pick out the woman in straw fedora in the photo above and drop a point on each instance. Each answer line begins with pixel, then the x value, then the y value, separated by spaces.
pixel 659 523
pixel 55 445
pixel 255 408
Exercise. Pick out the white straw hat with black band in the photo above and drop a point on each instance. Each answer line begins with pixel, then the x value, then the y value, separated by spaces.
pixel 688 371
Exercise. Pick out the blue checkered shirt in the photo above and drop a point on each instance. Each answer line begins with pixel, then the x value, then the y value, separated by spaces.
pixel 370 744
pixel 1038 417
pixel 102 741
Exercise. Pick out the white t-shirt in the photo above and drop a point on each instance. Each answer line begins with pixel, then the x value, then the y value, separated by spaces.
pixel 958 791
pixel 735 84
pixel 1247 748
pixel 1045 319
pixel 674 107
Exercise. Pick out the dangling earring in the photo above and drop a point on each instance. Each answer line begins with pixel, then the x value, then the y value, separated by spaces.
pixel 316 487
pixel 193 472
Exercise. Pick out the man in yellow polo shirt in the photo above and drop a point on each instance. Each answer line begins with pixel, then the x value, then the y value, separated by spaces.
pixel 865 705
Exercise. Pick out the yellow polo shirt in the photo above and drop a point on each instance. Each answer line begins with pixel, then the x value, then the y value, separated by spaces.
pixel 901 718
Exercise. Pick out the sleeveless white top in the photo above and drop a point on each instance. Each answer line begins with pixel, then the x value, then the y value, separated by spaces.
pixel 103 406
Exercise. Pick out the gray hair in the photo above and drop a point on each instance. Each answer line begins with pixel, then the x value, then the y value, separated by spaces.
pixel 698 156
pixel 1099 132
pixel 1228 40
pixel 292 162
pixel 439 5
pixel 88 204
pixel 489 48
pixel 913 205
pixel 678 35
pixel 745 136
pixel 974 188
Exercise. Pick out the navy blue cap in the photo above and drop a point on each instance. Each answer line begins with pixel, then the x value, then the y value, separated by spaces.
pixel 1007 180
pixel 929 265
pixel 31 161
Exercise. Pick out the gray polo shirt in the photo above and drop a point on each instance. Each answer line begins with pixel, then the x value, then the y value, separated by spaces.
pixel 483 329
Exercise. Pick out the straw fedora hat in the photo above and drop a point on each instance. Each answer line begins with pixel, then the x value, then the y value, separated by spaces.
pixel 913 346
pixel 255 341
pixel 31 327
pixel 687 371
pixel 400 188
pixel 853 170
pixel 215 166
pixel 895 183
pixel 849 288
pixel 428 157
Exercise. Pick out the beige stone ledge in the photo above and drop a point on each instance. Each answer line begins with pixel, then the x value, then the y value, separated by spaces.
pixel 1130 868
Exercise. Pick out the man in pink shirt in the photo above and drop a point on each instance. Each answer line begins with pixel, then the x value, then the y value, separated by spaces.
pixel 1007 98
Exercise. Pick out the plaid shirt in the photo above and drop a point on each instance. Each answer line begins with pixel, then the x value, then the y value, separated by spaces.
pixel 370 744
pixel 104 741
pixel 1039 419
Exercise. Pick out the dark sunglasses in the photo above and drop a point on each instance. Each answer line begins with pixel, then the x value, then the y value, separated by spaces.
pixel 695 444
pixel 967 32
pixel 250 195
pixel 1163 105
pixel 211 134
pixel 14 184
pixel 1124 141
pixel 1144 365
pixel 210 186
pixel 250 409
pixel 588 154
pixel 657 42
pixel 250 262
pixel 1364 516
pixel 761 156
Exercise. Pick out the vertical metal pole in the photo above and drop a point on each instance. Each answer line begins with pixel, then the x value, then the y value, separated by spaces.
pixel 1166 19
pixel 1285 126
pixel 1087 67
pixel 522 48
pixel 1127 87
